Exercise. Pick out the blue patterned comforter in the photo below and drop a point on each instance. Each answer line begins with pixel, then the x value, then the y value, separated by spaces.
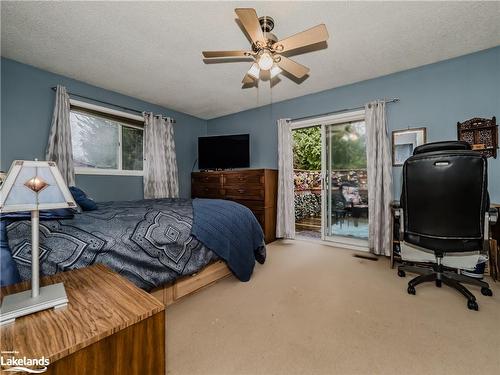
pixel 148 241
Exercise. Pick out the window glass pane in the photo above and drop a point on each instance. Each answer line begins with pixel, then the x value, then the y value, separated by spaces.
pixel 95 141
pixel 131 149
pixel 347 197
pixel 348 143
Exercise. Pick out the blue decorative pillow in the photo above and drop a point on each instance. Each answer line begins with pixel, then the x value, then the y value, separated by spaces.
pixel 86 203
pixel 9 273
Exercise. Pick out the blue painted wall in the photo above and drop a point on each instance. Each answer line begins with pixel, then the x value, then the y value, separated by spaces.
pixel 27 105
pixel 435 96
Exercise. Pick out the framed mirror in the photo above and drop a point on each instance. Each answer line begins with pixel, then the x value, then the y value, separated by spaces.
pixel 404 142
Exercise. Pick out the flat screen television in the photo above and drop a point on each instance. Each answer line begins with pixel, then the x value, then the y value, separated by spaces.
pixel 224 152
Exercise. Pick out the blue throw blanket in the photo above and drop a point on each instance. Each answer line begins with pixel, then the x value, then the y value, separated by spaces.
pixel 232 232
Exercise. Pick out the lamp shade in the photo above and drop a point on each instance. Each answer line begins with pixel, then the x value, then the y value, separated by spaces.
pixel 34 185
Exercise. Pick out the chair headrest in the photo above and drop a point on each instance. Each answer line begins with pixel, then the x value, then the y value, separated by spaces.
pixel 441 146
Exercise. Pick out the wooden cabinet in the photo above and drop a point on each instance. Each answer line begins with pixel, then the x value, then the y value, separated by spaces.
pixel 481 134
pixel 253 188
pixel 109 327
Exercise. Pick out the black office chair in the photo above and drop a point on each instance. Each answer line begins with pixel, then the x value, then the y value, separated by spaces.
pixel 445 208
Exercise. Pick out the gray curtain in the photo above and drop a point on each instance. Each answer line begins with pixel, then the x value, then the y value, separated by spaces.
pixel 285 223
pixel 59 147
pixel 160 162
pixel 379 165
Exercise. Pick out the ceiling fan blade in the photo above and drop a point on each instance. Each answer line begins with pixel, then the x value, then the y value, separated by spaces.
pixel 249 20
pixel 215 54
pixel 292 67
pixel 313 35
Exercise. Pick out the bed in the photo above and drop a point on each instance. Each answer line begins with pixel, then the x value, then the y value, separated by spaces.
pixel 152 242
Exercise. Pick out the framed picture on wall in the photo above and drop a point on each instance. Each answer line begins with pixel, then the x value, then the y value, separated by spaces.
pixel 404 142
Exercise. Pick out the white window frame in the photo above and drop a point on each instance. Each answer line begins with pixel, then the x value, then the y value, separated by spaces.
pixel 336 118
pixel 104 171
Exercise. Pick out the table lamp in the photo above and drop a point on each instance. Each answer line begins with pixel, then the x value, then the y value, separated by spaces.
pixel 33 186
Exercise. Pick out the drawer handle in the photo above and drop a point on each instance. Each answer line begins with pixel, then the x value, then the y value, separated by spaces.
pixel 206 189
pixel 241 191
pixel 242 178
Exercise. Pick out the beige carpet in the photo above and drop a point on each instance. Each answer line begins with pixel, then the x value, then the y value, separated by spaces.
pixel 314 309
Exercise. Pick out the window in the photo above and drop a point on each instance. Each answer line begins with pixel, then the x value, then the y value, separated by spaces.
pixel 105 143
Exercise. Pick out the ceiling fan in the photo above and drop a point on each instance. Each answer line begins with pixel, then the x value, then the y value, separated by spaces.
pixel 267 51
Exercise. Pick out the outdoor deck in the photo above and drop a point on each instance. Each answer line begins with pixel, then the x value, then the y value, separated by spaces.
pixel 348 219
pixel 309 227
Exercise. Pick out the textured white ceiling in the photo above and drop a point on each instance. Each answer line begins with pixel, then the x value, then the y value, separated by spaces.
pixel 152 50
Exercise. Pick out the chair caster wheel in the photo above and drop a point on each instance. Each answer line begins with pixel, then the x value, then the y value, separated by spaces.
pixel 438 283
pixel 401 273
pixel 411 290
pixel 486 292
pixel 472 305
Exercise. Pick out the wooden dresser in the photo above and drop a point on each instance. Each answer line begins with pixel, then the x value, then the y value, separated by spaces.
pixel 253 188
pixel 109 327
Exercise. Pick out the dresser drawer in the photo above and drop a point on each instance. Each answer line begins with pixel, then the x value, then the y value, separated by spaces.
pixel 204 191
pixel 252 205
pixel 244 193
pixel 257 208
pixel 205 178
pixel 255 189
pixel 260 215
pixel 244 179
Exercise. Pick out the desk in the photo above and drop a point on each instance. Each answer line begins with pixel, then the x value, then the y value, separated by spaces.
pixel 495 229
pixel 495 245
pixel 395 245
pixel 109 327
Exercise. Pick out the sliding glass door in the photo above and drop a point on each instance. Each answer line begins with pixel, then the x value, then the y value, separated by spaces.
pixel 330 179
pixel 345 182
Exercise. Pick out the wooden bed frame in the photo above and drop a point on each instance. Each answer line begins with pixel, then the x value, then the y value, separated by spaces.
pixel 187 285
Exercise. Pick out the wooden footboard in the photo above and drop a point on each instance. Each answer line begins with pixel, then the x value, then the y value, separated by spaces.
pixel 188 285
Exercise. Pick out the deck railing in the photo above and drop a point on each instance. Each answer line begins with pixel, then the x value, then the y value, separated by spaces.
pixel 307 186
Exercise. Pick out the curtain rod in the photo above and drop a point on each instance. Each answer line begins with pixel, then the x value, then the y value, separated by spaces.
pixel 103 102
pixel 393 100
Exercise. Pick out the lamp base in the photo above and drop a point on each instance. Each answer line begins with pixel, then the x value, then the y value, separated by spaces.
pixel 21 304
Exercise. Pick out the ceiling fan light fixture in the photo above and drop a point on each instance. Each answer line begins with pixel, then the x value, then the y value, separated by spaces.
pixel 267 50
pixel 275 70
pixel 266 61
pixel 254 71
